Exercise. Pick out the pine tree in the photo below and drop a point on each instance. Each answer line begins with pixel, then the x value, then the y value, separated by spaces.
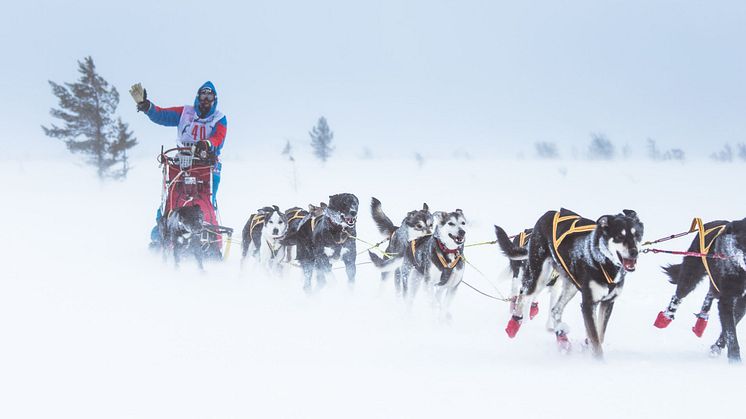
pixel 321 139
pixel 87 108
pixel 118 149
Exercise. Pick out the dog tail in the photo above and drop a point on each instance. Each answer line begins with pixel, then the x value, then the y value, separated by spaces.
pixel 384 224
pixel 384 265
pixel 510 250
pixel 673 272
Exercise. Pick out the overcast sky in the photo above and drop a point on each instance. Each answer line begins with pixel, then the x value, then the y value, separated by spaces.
pixel 486 77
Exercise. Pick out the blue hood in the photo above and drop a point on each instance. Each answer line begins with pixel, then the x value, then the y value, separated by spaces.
pixel 214 103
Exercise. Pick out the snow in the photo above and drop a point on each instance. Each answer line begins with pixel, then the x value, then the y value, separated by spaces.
pixel 92 325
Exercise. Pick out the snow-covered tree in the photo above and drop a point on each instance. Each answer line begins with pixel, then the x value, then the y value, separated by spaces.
pixel 86 109
pixel 321 140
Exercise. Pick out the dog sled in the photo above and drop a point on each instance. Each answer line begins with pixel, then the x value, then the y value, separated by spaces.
pixel 187 181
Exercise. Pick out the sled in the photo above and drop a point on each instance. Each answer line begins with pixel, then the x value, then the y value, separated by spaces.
pixel 187 181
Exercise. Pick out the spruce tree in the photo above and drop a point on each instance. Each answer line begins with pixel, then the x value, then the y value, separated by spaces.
pixel 86 109
pixel 118 149
pixel 321 140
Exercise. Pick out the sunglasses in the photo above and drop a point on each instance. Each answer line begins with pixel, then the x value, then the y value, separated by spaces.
pixel 207 94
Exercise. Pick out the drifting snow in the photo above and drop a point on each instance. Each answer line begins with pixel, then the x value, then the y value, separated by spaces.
pixel 92 325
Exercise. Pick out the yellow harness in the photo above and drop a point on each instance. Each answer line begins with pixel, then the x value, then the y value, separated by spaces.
pixel 255 221
pixel 704 247
pixel 556 241
pixel 441 258
pixel 296 215
pixel 523 238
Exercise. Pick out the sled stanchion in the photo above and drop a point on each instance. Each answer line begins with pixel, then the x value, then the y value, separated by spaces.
pixel 227 248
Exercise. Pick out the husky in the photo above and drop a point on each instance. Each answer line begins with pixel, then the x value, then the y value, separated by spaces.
pixel 181 232
pixel 262 237
pixel 727 276
pixel 516 270
pixel 325 235
pixel 436 260
pixel 416 224
pixel 294 216
pixel 590 257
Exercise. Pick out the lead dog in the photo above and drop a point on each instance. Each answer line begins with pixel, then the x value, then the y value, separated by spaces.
pixel 325 236
pixel 727 275
pixel 436 261
pixel 416 224
pixel 590 257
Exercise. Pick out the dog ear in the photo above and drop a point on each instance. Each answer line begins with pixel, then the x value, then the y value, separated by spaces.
pixel 440 217
pixel 631 214
pixel 276 208
pixel 603 222
pixel 425 207
pixel 459 212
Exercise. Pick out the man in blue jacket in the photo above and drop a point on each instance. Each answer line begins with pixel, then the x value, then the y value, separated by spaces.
pixel 200 126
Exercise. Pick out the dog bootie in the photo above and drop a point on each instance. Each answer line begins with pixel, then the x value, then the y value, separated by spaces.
pixel 563 343
pixel 513 325
pixel 533 311
pixel 700 325
pixel 663 320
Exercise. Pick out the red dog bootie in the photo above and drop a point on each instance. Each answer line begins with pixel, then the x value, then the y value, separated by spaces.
pixel 513 325
pixel 533 311
pixel 662 321
pixel 700 325
pixel 563 343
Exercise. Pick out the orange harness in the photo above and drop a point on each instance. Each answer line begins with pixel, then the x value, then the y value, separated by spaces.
pixel 441 258
pixel 556 241
pixel 704 247
pixel 296 215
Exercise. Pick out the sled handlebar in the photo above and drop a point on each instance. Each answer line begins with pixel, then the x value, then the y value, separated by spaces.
pixel 174 156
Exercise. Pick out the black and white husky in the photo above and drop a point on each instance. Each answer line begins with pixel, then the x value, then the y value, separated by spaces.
pixel 416 224
pixel 590 257
pixel 181 232
pixel 435 261
pixel 727 277
pixel 262 237
pixel 325 235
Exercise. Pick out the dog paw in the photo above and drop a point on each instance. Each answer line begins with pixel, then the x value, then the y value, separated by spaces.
pixel 513 325
pixel 663 320
pixel 700 326
pixel 563 343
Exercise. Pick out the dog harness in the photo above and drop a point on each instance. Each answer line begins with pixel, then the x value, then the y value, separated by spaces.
pixel 441 258
pixel 296 215
pixel 255 221
pixel 523 238
pixel 704 245
pixel 574 229
pixel 272 249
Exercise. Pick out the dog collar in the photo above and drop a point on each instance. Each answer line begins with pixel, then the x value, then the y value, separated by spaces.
pixel 444 249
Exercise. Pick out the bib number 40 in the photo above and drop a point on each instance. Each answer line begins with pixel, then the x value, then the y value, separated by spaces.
pixel 198 132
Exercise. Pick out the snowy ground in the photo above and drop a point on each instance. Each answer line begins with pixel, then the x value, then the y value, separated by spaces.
pixel 93 326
